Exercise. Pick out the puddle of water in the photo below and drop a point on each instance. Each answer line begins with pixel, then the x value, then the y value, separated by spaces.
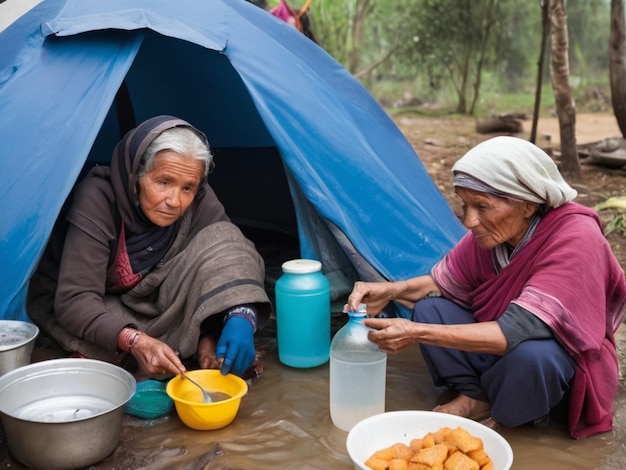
pixel 284 422
pixel 62 409
pixel 13 334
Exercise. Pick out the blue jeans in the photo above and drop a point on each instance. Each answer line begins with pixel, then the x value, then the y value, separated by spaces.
pixel 522 386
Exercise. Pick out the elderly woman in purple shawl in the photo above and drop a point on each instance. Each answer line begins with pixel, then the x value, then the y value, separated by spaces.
pixel 149 271
pixel 520 316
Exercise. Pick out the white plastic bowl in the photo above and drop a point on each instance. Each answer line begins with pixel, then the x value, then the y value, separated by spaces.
pixel 383 430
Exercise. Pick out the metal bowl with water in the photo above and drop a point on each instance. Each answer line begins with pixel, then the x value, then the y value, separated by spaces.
pixel 17 339
pixel 64 413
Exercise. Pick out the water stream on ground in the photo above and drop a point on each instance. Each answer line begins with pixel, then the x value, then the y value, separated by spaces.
pixel 284 423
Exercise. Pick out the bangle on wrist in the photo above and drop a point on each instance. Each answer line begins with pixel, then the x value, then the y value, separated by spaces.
pixel 133 340
pixel 242 312
pixel 127 339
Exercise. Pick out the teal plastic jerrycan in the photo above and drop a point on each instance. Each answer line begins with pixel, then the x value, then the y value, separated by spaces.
pixel 303 314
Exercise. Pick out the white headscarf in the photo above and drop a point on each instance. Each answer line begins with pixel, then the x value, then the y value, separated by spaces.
pixel 516 168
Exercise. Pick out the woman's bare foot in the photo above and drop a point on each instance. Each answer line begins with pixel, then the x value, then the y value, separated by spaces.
pixel 490 423
pixel 466 407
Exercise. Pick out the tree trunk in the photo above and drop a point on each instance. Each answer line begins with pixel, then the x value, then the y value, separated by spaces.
pixel 489 22
pixel 617 72
pixel 363 9
pixel 565 108
pixel 545 31
pixel 462 90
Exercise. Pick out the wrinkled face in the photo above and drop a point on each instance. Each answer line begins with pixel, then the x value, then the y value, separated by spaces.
pixel 169 188
pixel 494 220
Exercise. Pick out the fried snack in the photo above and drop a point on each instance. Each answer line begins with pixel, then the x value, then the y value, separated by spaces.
pixel 480 456
pixel 429 440
pixel 460 461
pixel 402 451
pixel 445 449
pixel 421 466
pixel 431 456
pixel 377 464
pixel 384 454
pixel 463 440
pixel 398 464
pixel 416 444
pixel 487 466
pixel 441 435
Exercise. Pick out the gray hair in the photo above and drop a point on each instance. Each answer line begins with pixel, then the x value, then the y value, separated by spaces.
pixel 181 140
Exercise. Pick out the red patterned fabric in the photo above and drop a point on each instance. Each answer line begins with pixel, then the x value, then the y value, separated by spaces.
pixel 120 276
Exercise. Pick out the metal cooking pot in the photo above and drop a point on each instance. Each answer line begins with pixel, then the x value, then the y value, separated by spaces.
pixel 64 413
pixel 17 339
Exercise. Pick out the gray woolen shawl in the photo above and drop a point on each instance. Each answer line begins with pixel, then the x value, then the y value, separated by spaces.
pixel 86 318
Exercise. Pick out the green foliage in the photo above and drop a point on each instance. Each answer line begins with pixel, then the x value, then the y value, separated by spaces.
pixel 617 221
pixel 422 48
pixel 494 103
pixel 616 224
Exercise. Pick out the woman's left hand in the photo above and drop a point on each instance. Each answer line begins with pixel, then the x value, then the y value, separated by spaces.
pixel 236 346
pixel 392 335
pixel 155 357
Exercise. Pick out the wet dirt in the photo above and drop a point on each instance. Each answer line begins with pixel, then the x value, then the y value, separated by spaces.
pixel 284 423
pixel 284 420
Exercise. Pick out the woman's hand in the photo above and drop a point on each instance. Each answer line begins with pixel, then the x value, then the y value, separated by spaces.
pixel 236 346
pixel 375 294
pixel 207 358
pixel 378 294
pixel 155 357
pixel 391 335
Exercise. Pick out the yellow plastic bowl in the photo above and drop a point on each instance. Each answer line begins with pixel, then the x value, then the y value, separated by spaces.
pixel 206 416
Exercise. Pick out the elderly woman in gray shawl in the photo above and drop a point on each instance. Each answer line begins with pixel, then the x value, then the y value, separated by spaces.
pixel 151 271
pixel 519 317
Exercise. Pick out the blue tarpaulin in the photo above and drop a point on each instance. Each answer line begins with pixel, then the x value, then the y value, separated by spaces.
pixel 74 73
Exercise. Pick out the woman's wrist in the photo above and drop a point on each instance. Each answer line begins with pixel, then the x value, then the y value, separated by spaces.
pixel 403 287
pixel 242 311
pixel 127 339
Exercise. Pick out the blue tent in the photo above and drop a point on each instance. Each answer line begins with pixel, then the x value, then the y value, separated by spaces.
pixel 302 150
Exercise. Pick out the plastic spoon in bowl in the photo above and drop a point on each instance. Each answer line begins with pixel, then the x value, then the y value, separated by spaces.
pixel 206 398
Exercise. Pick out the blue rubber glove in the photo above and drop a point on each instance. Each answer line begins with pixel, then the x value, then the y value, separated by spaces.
pixel 236 346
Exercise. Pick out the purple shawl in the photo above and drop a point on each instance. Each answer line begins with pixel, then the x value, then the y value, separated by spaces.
pixel 568 277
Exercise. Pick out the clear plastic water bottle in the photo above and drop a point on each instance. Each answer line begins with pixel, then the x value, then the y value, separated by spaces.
pixel 358 372
pixel 303 314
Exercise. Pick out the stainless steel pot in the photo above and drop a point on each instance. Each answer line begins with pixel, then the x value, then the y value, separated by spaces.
pixel 64 413
pixel 17 339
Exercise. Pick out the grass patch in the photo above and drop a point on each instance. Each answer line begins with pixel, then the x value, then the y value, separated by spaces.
pixel 520 102
pixel 413 97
